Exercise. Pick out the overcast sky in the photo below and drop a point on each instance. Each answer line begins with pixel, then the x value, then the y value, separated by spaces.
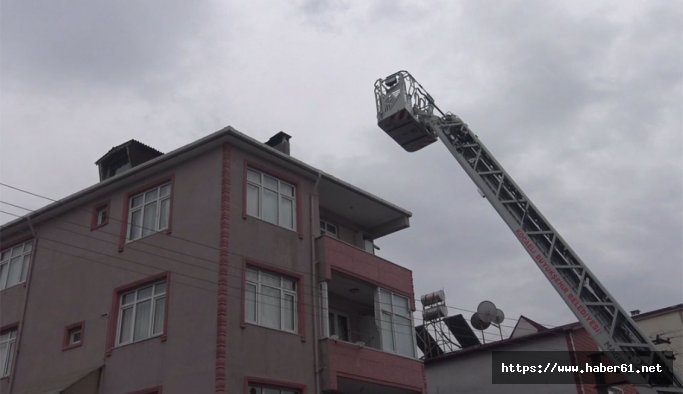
pixel 581 102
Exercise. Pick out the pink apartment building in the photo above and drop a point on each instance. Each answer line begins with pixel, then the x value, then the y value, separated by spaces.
pixel 224 266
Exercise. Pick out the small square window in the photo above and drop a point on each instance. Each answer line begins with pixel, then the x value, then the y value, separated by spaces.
pixel 327 228
pixel 73 336
pixel 100 216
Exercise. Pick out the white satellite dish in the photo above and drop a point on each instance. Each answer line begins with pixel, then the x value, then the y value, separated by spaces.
pixel 487 311
pixel 500 317
pixel 478 323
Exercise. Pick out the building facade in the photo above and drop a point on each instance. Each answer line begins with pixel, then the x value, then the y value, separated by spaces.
pixel 225 266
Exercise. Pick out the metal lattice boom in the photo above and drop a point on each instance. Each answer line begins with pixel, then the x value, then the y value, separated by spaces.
pixel 408 114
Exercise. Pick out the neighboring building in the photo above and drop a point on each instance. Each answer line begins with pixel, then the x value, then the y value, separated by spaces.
pixel 665 329
pixel 204 270
pixel 470 370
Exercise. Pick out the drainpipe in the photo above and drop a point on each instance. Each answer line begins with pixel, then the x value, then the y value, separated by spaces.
pixel 314 281
pixel 324 321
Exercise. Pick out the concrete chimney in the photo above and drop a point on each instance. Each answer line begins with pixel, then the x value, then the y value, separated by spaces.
pixel 280 141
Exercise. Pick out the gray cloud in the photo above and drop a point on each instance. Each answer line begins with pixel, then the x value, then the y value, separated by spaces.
pixel 581 102
pixel 86 42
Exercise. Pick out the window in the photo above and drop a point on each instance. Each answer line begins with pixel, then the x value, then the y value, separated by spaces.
pixel 339 325
pixel 141 313
pixel 73 336
pixel 8 341
pixel 14 264
pixel 148 212
pixel 100 216
pixel 396 323
pixel 270 199
pixel 328 228
pixel 260 389
pixel 153 390
pixel 270 300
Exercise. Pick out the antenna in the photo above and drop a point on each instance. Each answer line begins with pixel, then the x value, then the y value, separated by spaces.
pixel 487 314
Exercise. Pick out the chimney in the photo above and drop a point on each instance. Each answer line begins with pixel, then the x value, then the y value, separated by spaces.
pixel 635 312
pixel 280 141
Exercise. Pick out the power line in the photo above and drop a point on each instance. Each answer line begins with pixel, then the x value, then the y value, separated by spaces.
pixel 238 290
pixel 183 239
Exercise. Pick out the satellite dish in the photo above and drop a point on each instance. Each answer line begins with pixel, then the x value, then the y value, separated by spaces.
pixel 487 311
pixel 478 323
pixel 500 316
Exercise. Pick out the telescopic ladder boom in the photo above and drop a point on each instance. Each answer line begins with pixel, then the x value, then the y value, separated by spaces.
pixel 409 115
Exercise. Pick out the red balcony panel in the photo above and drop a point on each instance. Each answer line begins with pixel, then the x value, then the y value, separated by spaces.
pixel 340 256
pixel 351 361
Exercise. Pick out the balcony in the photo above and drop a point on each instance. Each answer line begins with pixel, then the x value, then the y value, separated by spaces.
pixel 368 339
pixel 353 368
pixel 335 255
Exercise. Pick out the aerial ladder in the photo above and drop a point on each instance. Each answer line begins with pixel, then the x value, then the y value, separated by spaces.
pixel 408 114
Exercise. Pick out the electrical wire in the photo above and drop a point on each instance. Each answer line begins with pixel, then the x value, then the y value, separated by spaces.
pixel 175 251
pixel 186 240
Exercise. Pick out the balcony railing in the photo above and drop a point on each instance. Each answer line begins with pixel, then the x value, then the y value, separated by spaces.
pixel 346 361
pixel 333 254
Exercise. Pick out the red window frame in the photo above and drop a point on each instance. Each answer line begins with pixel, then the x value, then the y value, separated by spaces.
pixel 95 213
pixel 123 237
pixel 276 384
pixel 150 390
pixel 66 342
pixel 283 177
pixel 115 306
pixel 7 245
pixel 301 317
pixel 11 327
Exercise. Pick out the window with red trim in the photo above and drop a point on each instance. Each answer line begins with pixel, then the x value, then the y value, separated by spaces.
pixel 153 390
pixel 14 264
pixel 73 335
pixel 100 216
pixel 267 389
pixel 141 312
pixel 270 300
pixel 8 340
pixel 148 212
pixel 271 199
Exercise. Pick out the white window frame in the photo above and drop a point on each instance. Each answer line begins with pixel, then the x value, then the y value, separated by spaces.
pixel 8 340
pixel 15 260
pixel 102 215
pixel 157 312
pixel 267 389
pixel 333 317
pixel 71 335
pixel 388 313
pixel 259 184
pixel 154 202
pixel 256 298
pixel 330 229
